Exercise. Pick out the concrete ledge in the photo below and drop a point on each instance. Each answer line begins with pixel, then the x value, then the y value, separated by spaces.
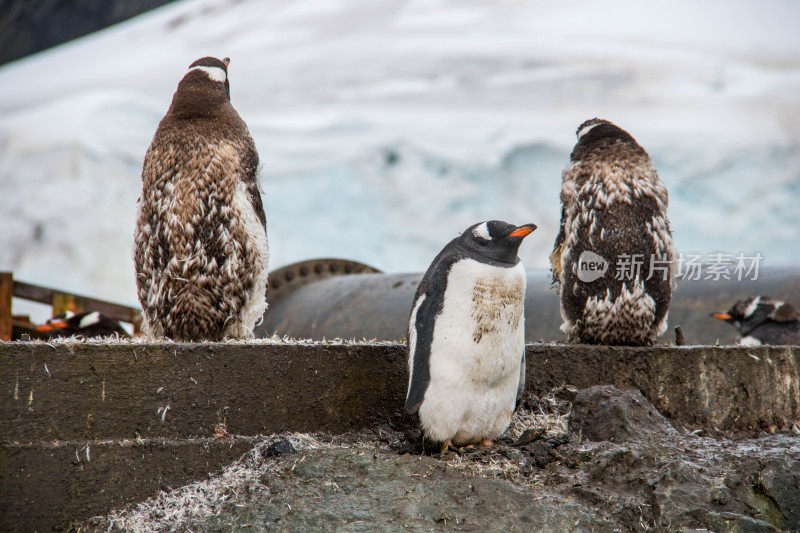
pixel 93 391
pixel 731 388
pixel 50 485
pixel 85 427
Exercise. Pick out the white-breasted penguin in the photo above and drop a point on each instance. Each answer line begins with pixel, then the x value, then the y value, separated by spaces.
pixel 613 258
pixel 764 320
pixel 201 247
pixel 466 337
pixel 86 324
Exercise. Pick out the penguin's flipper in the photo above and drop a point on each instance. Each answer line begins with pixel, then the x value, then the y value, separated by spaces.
pixel 250 179
pixel 521 386
pixel 420 338
pixel 784 313
pixel 555 255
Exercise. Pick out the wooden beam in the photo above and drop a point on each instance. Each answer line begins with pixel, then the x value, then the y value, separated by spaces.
pixel 66 301
pixel 62 302
pixel 6 293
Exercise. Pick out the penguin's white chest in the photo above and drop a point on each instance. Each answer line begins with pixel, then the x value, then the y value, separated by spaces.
pixel 475 358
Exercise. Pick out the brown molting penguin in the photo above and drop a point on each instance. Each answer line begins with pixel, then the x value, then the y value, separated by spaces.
pixel 201 247
pixel 613 217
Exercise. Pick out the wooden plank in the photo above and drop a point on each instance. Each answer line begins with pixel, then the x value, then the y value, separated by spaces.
pixel 63 302
pixel 6 293
pixel 66 301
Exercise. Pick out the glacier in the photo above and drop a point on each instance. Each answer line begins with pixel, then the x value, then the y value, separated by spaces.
pixel 385 128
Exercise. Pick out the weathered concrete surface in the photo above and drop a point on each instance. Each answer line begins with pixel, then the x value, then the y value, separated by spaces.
pixel 100 391
pixel 742 389
pixel 49 485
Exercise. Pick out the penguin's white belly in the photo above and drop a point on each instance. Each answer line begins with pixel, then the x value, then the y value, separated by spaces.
pixel 476 353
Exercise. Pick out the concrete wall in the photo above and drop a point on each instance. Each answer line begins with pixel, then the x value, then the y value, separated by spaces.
pixel 90 426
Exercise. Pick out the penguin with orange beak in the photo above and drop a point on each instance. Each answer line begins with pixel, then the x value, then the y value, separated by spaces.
pixel 763 320
pixel 466 337
pixel 90 324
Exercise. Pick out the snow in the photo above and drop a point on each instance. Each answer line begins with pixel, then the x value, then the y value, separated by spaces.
pixel 386 128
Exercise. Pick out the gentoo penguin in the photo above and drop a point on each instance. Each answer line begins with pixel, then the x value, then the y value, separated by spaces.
pixel 613 218
pixel 764 320
pixel 201 247
pixel 89 324
pixel 466 337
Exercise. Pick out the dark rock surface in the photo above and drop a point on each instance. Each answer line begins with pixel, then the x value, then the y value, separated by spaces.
pixel 28 26
pixel 620 467
pixel 280 447
pixel 605 413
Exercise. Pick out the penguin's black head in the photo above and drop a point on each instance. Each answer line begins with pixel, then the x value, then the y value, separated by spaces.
pixel 496 240
pixel 204 87
pixel 750 313
pixel 597 130
pixel 88 324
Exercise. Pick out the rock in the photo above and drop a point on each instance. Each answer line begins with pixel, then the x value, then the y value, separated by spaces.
pixel 621 467
pixel 605 413
pixel 280 447
pixel 776 492
pixel 361 489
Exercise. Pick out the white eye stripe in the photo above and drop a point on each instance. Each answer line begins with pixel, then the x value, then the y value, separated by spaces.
pixel 752 307
pixel 584 130
pixel 215 73
pixel 89 320
pixel 482 231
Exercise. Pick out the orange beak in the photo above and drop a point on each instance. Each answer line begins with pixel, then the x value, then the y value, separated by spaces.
pixel 522 231
pixel 722 316
pixel 50 326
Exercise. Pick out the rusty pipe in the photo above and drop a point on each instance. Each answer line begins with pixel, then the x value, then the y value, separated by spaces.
pixel 355 301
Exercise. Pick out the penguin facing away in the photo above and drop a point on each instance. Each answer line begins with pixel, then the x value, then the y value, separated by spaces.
pixel 466 337
pixel 201 248
pixel 763 320
pixel 614 212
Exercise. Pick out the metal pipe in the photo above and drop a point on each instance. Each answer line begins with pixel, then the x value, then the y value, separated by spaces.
pixel 372 305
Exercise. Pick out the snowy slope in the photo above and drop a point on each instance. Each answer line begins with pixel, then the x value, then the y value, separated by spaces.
pixel 385 128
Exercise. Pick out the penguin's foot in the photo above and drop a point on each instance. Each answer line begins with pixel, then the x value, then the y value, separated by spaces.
pixel 485 443
pixel 446 445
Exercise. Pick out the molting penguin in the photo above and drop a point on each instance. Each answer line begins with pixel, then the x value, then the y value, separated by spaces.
pixel 89 324
pixel 201 247
pixel 466 337
pixel 613 218
pixel 764 320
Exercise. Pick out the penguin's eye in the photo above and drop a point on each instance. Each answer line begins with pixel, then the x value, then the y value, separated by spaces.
pixel 215 73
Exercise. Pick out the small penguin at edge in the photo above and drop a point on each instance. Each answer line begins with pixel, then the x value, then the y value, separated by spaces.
pixel 763 320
